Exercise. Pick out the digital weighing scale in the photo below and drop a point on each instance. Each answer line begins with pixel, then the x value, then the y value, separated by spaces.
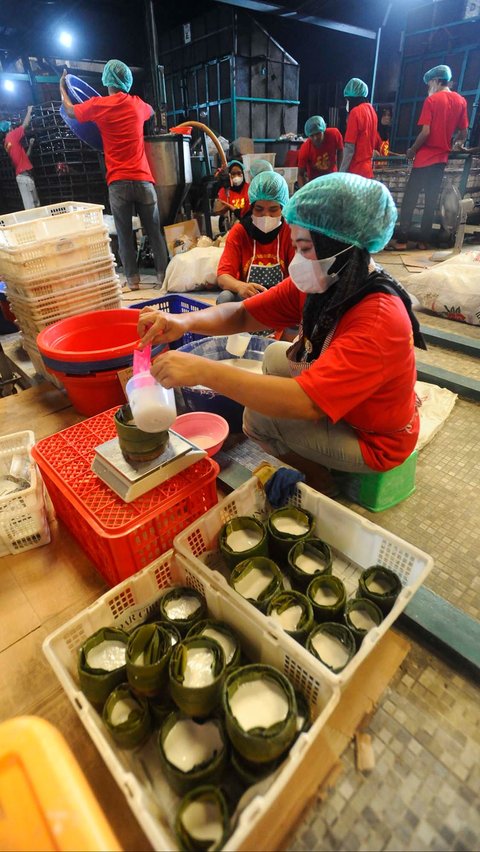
pixel 129 481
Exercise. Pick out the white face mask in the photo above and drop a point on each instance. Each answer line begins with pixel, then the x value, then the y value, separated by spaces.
pixel 237 181
pixel 266 223
pixel 311 276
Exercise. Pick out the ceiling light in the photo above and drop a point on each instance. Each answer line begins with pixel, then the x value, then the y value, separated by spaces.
pixel 65 39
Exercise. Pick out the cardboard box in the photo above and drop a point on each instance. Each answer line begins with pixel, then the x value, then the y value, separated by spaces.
pixel 180 230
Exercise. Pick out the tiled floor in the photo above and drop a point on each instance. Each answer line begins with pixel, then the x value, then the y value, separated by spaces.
pixel 423 792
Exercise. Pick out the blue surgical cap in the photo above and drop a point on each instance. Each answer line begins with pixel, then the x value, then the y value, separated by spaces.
pixel 314 124
pixel 355 88
pixel 268 186
pixel 353 209
pixel 5 126
pixel 440 72
pixel 259 166
pixel 117 74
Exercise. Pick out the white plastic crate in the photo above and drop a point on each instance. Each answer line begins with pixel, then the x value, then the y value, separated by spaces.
pixel 32 327
pixel 33 353
pixel 43 223
pixel 61 302
pixel 71 276
pixel 138 772
pixel 23 521
pixel 21 264
pixel 356 544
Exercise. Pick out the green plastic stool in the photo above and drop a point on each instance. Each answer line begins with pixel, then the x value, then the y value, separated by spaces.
pixel 379 491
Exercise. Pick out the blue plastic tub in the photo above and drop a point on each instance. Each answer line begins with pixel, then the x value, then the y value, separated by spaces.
pixel 176 303
pixel 204 399
pixel 87 131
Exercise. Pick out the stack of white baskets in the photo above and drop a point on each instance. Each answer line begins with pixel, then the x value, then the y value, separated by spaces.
pixel 24 506
pixel 56 262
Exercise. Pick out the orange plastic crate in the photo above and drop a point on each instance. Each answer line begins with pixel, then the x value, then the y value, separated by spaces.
pixel 45 800
pixel 120 538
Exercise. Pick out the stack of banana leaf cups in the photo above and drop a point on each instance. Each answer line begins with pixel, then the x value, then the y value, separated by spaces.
pixel 174 684
pixel 282 569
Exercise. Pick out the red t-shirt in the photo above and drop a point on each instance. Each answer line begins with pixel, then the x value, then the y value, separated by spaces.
pixel 238 252
pixel 444 112
pixel 362 132
pixel 16 152
pixel 365 377
pixel 321 161
pixel 120 119
pixel 240 200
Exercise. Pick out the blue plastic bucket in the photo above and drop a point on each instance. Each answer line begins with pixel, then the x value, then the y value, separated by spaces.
pixel 87 131
pixel 203 399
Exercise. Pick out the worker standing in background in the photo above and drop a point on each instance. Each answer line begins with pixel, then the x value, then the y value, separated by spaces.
pixel 21 159
pixel 361 132
pixel 120 118
pixel 321 153
pixel 443 120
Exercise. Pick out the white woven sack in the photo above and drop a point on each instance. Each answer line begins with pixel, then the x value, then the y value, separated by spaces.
pixel 192 270
pixel 451 289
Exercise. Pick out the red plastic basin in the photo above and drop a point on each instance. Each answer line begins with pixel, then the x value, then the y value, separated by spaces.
pixel 94 336
pixel 93 393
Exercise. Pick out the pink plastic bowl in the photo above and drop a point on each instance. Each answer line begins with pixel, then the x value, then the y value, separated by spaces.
pixel 206 430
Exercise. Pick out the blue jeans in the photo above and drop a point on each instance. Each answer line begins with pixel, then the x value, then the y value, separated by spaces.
pixel 125 196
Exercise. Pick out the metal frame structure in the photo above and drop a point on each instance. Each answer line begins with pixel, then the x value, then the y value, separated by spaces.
pixel 225 90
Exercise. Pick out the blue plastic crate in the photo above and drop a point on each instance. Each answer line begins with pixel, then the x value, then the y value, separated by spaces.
pixel 176 303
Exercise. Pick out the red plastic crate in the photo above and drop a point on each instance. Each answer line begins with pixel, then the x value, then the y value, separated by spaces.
pixel 120 538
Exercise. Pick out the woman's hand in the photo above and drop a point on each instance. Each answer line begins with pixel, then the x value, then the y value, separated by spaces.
pixel 245 290
pixel 179 369
pixel 158 327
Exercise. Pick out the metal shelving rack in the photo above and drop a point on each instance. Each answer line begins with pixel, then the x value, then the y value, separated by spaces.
pixel 225 70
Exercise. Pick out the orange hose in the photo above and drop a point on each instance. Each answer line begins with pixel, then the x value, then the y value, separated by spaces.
pixel 210 133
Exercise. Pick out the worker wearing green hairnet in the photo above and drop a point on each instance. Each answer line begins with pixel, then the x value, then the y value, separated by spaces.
pixel 361 132
pixel 342 396
pixel 258 247
pixel 444 123
pixel 322 151
pixel 131 187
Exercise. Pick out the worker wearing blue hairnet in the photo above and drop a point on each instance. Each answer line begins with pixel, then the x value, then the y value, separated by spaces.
pixel 361 132
pixel 259 166
pixel 342 396
pixel 322 151
pixel 258 247
pixel 12 143
pixel 443 123
pixel 131 186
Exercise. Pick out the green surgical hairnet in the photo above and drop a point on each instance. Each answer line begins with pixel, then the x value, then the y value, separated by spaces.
pixel 440 72
pixel 355 88
pixel 5 126
pixel 346 207
pixel 236 163
pixel 268 186
pixel 117 74
pixel 314 124
pixel 259 166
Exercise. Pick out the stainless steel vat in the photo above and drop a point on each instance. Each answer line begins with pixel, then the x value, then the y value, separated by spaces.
pixel 169 159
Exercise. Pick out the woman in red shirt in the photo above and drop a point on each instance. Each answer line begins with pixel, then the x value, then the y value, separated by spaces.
pixel 235 196
pixel 259 247
pixel 343 395
pixel 361 132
